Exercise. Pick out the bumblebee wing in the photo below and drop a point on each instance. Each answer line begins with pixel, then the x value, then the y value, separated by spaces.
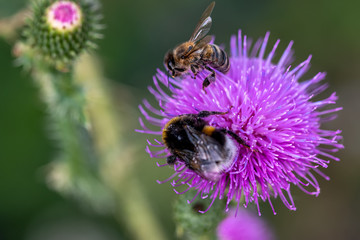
pixel 210 159
pixel 185 155
pixel 207 147
pixel 210 151
pixel 204 24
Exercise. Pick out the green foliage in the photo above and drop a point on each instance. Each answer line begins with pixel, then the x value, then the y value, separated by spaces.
pixel 190 223
pixel 75 172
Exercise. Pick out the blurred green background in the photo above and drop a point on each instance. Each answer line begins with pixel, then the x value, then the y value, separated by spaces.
pixel 137 35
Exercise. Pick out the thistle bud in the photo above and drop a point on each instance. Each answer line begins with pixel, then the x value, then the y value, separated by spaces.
pixel 61 30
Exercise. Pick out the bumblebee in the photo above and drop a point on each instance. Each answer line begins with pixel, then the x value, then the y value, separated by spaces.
pixel 197 53
pixel 207 150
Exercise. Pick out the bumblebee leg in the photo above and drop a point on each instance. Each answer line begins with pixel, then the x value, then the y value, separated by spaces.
pixel 236 137
pixel 203 114
pixel 171 159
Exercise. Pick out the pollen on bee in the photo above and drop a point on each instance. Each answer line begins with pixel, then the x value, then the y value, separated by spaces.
pixel 208 130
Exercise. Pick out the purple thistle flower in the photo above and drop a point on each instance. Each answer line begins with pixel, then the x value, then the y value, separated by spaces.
pixel 244 226
pixel 267 107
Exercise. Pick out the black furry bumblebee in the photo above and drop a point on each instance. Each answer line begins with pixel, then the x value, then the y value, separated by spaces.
pixel 207 150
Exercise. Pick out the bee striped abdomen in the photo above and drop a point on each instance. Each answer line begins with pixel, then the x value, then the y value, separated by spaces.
pixel 217 58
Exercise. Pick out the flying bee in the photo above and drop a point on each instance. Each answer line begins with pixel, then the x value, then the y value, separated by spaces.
pixel 207 150
pixel 197 53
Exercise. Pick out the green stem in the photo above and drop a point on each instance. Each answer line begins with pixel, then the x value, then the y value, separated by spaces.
pixel 117 156
pixel 75 172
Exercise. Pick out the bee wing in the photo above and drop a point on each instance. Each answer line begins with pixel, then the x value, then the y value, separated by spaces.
pixel 200 44
pixel 204 24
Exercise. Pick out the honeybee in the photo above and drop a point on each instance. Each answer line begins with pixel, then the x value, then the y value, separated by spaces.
pixel 197 53
pixel 207 150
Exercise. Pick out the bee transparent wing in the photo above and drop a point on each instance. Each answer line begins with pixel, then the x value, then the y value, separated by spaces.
pixel 203 29
pixel 204 24
pixel 200 44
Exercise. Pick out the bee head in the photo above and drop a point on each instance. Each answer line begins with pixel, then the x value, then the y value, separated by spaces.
pixel 169 63
pixel 175 67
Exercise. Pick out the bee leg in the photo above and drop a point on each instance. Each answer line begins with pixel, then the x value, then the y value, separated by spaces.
pixel 208 79
pixel 236 137
pixel 193 70
pixel 212 75
pixel 206 83
pixel 171 159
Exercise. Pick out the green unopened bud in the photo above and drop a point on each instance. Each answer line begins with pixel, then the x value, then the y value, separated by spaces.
pixel 61 30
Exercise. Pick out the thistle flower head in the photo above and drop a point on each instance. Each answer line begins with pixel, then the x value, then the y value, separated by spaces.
pixel 59 31
pixel 244 226
pixel 270 108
